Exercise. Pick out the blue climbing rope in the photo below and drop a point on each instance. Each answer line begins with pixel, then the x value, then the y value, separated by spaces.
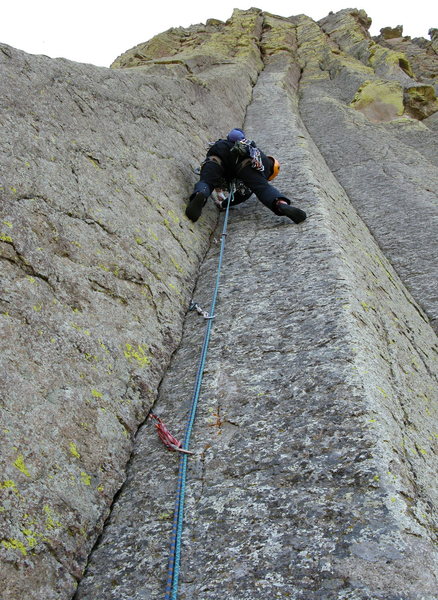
pixel 178 517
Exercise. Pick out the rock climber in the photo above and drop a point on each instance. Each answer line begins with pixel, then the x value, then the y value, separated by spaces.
pixel 238 158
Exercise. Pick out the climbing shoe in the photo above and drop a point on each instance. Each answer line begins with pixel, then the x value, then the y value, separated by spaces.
pixel 195 206
pixel 296 214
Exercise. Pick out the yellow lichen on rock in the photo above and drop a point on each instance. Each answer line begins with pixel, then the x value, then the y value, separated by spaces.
pixel 312 45
pixel 137 355
pixel 379 100
pixel 13 544
pixel 19 464
pixel 73 450
pixel 420 101
pixel 279 35
pixel 383 58
pixel 236 39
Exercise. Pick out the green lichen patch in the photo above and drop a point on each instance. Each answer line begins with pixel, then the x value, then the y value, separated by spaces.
pixel 233 41
pixel 383 58
pixel 51 520
pixel 73 450
pixel 13 544
pixel 176 265
pixel 19 464
pixel 420 101
pixel 137 355
pixel 278 35
pixel 379 100
pixel 174 217
pixel 85 478
pixel 8 484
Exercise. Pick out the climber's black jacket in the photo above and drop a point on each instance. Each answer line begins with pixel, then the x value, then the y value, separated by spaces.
pixel 214 175
pixel 231 160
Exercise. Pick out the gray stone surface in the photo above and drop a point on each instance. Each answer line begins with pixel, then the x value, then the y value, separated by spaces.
pixel 314 473
pixel 420 54
pixel 315 442
pixel 97 265
pixel 387 169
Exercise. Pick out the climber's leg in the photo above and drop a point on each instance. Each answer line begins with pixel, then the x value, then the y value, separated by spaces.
pixel 212 176
pixel 269 195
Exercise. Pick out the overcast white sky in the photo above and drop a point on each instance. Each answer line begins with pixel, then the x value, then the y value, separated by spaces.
pixel 97 31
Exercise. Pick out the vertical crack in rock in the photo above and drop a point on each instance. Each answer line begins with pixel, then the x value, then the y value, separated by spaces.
pixel 315 462
pixel 315 447
pixel 98 269
pixel 129 468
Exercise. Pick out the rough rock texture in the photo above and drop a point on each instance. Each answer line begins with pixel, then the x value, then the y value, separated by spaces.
pixel 421 53
pixel 385 159
pixel 316 442
pixel 97 266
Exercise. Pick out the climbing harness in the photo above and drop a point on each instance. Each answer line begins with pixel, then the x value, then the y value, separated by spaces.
pixel 178 517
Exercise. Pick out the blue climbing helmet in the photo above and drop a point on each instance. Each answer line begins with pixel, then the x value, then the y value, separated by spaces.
pixel 236 135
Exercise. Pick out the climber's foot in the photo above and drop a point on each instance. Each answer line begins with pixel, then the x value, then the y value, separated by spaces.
pixel 195 206
pixel 296 214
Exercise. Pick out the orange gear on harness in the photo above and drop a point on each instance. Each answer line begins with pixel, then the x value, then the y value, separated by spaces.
pixel 275 168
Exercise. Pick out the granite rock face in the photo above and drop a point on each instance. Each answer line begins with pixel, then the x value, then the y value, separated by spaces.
pixel 314 474
pixel 382 155
pixel 421 53
pixel 98 263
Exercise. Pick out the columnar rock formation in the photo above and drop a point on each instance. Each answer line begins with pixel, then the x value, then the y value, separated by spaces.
pixel 314 473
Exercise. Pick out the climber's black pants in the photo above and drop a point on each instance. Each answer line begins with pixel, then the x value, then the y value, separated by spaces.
pixel 265 192
pixel 213 176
